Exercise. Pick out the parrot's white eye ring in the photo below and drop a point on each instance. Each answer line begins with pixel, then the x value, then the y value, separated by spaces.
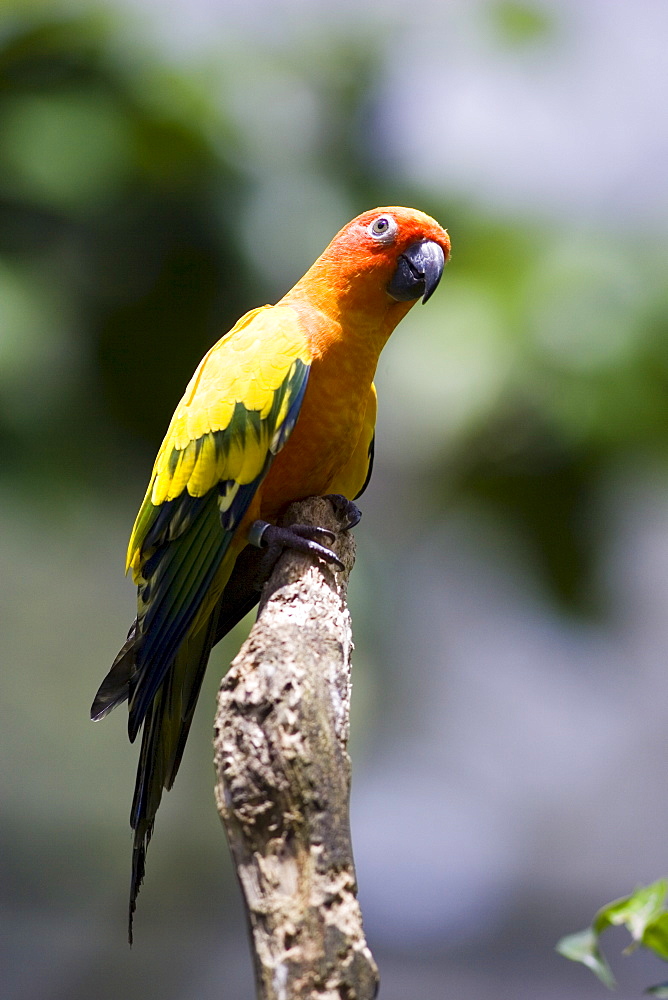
pixel 383 229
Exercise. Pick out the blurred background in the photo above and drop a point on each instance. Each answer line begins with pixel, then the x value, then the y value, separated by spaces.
pixel 163 168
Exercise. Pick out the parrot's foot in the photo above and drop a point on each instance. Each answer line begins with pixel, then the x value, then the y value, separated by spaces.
pixel 300 537
pixel 345 508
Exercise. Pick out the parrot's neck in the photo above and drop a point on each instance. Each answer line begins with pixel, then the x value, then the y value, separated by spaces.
pixel 358 324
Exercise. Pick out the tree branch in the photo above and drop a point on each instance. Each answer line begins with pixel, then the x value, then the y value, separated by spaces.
pixel 283 779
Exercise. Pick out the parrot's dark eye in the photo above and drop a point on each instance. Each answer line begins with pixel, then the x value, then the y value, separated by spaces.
pixel 383 229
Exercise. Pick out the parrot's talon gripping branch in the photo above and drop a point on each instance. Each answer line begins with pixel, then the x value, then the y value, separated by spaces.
pixel 300 537
pixel 346 510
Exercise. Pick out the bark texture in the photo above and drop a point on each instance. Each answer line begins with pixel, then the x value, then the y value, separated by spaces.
pixel 283 779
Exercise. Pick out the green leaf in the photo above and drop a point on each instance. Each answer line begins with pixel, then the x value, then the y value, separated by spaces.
pixel 655 936
pixel 583 947
pixel 646 920
pixel 635 912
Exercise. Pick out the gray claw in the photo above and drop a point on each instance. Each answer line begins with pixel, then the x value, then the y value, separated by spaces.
pixel 345 508
pixel 298 537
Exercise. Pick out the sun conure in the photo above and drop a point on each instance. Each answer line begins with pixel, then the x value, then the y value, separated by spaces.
pixel 281 408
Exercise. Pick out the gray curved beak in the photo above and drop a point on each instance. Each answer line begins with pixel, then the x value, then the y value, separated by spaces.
pixel 418 272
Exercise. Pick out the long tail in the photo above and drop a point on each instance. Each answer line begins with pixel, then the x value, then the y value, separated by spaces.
pixel 164 736
pixel 167 722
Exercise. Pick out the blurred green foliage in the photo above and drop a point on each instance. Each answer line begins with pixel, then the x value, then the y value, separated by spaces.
pixel 118 215
pixel 644 915
pixel 520 23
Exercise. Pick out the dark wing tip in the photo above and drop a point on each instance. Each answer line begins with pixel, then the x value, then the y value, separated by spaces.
pixel 115 687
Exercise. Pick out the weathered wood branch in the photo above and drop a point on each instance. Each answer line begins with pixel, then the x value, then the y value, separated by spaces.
pixel 283 779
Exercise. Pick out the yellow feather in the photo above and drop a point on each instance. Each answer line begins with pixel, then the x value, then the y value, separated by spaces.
pixel 227 498
pixel 248 365
pixel 203 476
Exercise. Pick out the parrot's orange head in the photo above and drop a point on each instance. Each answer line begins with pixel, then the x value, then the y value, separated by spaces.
pixel 397 253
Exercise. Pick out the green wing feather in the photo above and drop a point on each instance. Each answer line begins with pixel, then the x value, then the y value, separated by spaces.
pixel 236 414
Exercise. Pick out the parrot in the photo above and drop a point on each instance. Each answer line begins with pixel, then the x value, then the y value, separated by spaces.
pixel 281 408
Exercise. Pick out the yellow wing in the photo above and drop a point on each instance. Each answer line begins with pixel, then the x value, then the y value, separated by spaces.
pixel 238 408
pixel 235 415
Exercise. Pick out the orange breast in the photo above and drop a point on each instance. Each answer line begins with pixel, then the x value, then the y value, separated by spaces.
pixel 325 435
